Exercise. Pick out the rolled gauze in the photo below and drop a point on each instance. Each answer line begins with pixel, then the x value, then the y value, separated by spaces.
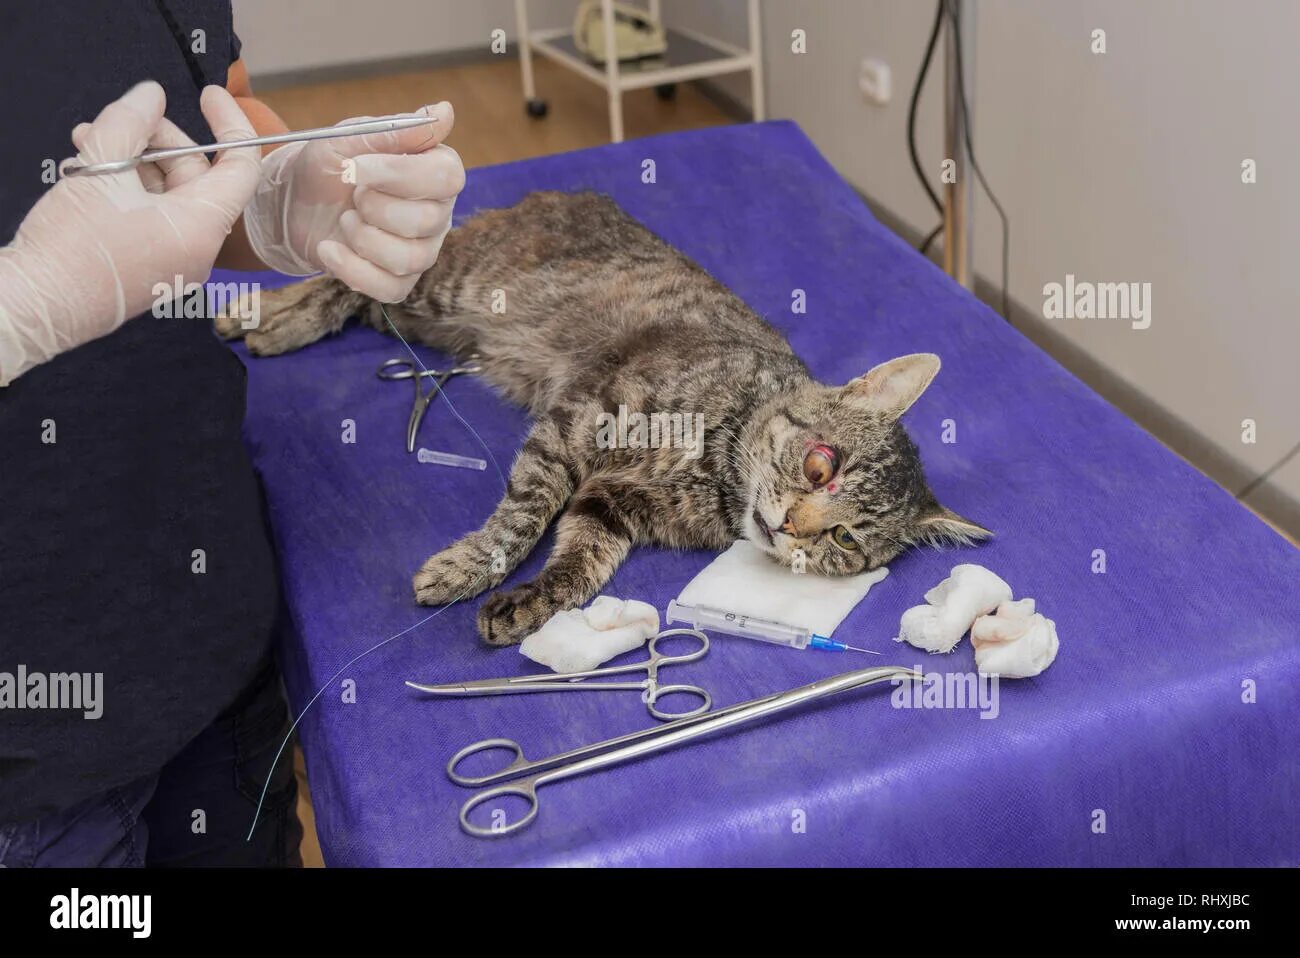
pixel 953 605
pixel 578 640
pixel 1016 642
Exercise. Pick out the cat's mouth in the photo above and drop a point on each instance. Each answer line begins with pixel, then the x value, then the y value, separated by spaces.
pixel 762 527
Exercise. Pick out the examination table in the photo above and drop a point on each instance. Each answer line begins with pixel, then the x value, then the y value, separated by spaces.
pixel 1164 734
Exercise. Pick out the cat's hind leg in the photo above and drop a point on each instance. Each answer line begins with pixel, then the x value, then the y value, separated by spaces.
pixel 591 541
pixel 541 481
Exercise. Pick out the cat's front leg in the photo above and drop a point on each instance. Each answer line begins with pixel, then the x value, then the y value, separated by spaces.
pixel 281 320
pixel 541 481
pixel 592 539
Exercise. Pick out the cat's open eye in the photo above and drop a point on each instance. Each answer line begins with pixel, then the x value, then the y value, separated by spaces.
pixel 843 539
pixel 820 464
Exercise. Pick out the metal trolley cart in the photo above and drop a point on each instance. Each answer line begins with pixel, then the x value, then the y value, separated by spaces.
pixel 690 56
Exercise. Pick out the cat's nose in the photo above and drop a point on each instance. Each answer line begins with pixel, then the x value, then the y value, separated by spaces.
pixel 788 526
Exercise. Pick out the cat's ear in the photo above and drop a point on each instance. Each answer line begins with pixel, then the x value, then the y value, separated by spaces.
pixel 939 525
pixel 892 387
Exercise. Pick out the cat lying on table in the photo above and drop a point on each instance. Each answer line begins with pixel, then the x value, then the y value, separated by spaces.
pixel 600 313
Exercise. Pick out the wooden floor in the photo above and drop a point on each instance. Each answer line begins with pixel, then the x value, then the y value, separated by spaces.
pixel 310 847
pixel 491 127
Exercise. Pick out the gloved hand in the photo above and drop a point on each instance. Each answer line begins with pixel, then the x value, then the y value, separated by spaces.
pixel 370 210
pixel 91 250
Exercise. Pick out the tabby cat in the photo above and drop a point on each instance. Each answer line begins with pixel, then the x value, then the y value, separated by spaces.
pixel 599 313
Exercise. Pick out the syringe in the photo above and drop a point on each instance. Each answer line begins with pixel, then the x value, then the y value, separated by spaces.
pixel 751 627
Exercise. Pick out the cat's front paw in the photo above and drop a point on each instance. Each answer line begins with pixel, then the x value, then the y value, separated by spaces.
pixel 237 319
pixel 509 617
pixel 449 576
pixel 280 329
pixel 275 321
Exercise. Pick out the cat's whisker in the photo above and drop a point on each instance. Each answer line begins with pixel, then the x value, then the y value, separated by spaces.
pixel 750 459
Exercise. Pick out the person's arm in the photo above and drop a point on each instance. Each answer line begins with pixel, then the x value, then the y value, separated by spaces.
pixel 92 251
pixel 236 253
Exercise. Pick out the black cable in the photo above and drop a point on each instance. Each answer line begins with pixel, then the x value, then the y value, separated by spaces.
pixel 970 152
pixel 925 244
pixel 911 117
pixel 1264 476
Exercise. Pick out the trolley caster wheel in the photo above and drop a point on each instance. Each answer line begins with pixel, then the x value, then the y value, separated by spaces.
pixel 536 108
pixel 666 91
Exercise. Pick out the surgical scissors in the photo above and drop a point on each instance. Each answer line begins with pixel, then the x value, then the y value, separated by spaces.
pixel 625 748
pixel 395 369
pixel 70 168
pixel 650 688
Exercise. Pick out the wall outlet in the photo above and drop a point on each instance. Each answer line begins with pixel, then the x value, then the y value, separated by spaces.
pixel 876 80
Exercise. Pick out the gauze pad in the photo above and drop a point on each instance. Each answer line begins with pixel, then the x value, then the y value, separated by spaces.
pixel 954 605
pixel 1015 642
pixel 747 582
pixel 578 640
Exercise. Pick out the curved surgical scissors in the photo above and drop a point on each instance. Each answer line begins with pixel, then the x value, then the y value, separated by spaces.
pixel 397 369
pixel 625 748
pixel 650 688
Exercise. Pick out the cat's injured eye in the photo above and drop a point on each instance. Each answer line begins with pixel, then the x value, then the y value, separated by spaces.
pixel 842 538
pixel 820 464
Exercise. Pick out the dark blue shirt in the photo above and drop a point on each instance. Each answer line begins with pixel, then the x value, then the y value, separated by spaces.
pixel 99 530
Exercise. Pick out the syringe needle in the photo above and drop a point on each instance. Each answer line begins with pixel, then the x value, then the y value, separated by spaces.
pixel 854 648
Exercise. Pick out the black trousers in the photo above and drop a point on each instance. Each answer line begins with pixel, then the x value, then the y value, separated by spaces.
pixel 195 811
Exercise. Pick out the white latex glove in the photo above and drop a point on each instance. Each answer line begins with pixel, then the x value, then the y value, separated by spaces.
pixel 91 250
pixel 370 210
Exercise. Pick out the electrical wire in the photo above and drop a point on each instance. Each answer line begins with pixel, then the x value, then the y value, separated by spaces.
pixel 911 118
pixel 944 8
pixel 925 244
pixel 970 152
pixel 1268 473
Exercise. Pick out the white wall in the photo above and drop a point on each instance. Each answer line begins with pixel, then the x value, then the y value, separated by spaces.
pixel 1118 167
pixel 284 35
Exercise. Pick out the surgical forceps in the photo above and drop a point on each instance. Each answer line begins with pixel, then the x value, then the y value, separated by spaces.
pixel 387 125
pixel 625 748
pixel 650 688
pixel 395 369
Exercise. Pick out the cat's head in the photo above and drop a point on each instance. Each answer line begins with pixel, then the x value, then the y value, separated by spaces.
pixel 833 478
